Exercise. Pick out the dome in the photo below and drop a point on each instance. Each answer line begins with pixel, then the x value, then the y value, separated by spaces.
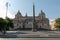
pixel 18 15
pixel 42 13
pixel 18 12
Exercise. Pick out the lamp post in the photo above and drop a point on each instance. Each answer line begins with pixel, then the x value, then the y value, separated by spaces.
pixel 6 8
pixel 6 15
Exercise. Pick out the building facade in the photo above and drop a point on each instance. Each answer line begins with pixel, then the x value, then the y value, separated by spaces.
pixel 52 25
pixel 26 21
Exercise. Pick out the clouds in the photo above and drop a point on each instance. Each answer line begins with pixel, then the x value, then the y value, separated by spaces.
pixel 3 10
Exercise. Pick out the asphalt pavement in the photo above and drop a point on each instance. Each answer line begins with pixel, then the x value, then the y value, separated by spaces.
pixel 30 34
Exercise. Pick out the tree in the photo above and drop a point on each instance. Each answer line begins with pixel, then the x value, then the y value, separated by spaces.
pixel 2 24
pixel 5 24
pixel 9 23
pixel 57 23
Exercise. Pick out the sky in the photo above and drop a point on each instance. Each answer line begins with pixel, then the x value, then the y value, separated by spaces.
pixel 50 7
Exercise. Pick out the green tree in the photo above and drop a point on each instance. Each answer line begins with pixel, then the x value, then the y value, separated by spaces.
pixel 5 24
pixel 2 24
pixel 9 23
pixel 57 23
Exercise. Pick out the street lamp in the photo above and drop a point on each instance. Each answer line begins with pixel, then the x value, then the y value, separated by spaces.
pixel 7 5
pixel 6 15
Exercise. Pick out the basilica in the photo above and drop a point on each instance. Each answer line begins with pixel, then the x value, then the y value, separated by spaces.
pixel 26 22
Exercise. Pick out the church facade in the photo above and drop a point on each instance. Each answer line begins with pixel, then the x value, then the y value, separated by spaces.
pixel 26 22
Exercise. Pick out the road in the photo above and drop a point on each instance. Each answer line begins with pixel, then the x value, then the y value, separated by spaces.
pixel 28 34
pixel 29 38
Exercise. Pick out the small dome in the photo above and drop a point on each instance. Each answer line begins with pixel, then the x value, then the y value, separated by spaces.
pixel 18 12
pixel 42 13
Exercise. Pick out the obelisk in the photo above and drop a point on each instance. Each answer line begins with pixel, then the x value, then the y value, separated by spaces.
pixel 34 27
